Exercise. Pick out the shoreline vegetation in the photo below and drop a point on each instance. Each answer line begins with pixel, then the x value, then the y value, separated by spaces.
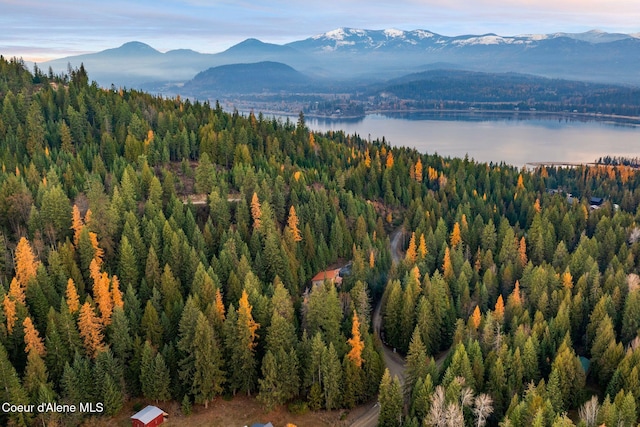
pixel 447 113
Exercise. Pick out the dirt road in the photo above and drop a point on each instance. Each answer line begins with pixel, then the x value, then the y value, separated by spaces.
pixel 392 360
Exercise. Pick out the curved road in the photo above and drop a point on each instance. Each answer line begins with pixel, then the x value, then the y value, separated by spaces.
pixel 392 360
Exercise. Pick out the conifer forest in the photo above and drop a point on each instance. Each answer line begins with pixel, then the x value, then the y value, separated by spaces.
pixel 163 249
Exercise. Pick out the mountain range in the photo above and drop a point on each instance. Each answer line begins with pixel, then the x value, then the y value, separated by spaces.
pixel 358 55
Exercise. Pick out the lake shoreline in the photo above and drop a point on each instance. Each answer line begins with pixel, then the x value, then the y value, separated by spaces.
pixel 480 113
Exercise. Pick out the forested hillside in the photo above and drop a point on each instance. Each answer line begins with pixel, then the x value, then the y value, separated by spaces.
pixel 120 279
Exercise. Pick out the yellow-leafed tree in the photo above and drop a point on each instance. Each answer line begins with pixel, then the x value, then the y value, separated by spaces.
pixel 256 211
pixel 476 317
pixel 103 298
pixel 356 343
pixel 412 253
pixel 517 299
pixel 447 267
pixel 9 307
pixel 293 224
pixel 76 224
pixel 98 251
pixel 389 163
pixel 456 237
pixel 418 171
pixel 90 330
pixel 16 291
pixel 567 280
pixel 26 262
pixel 522 252
pixel 73 301
pixel 422 247
pixel 32 340
pixel 499 310
pixel 116 293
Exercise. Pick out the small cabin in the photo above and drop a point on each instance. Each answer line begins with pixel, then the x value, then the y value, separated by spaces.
pixel 150 416
pixel 596 201
pixel 332 276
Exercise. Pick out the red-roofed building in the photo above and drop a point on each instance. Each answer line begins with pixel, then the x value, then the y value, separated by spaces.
pixel 332 276
pixel 150 416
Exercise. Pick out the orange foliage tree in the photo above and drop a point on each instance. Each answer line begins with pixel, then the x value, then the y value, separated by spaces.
pixel 16 291
pixel 76 224
pixel 26 262
pixel 499 309
pixel 476 317
pixel 32 339
pixel 356 343
pixel 256 211
pixel 90 330
pixel 9 307
pixel 412 253
pixel 447 267
pixel 292 223
pixel 418 170
pixel 73 301
pixel 456 237
pixel 522 252
pixel 422 247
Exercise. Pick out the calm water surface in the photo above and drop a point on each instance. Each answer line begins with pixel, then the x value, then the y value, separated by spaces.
pixel 505 139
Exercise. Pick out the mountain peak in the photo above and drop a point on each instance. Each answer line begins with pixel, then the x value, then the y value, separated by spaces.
pixel 392 32
pixel 137 47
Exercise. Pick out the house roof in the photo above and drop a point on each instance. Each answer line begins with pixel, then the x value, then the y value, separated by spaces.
pixel 148 414
pixel 326 275
pixel 262 425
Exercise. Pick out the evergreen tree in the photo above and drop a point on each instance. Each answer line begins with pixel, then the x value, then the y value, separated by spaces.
pixel 390 400
pixel 208 377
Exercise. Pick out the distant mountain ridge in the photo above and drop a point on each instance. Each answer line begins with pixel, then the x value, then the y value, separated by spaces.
pixel 260 77
pixel 366 55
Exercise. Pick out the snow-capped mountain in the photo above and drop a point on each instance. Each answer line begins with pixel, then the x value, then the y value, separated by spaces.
pixel 364 55
pixel 351 38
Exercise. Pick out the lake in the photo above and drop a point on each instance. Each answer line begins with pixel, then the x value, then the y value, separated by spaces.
pixel 491 138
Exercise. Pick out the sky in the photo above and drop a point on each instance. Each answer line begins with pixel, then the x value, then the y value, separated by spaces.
pixel 39 30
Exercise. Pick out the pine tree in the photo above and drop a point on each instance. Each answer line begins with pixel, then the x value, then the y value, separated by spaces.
pixel 209 376
pixel 243 340
pixel 331 377
pixel 12 391
pixel 150 324
pixel 269 385
pixel 390 400
pixel 417 362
